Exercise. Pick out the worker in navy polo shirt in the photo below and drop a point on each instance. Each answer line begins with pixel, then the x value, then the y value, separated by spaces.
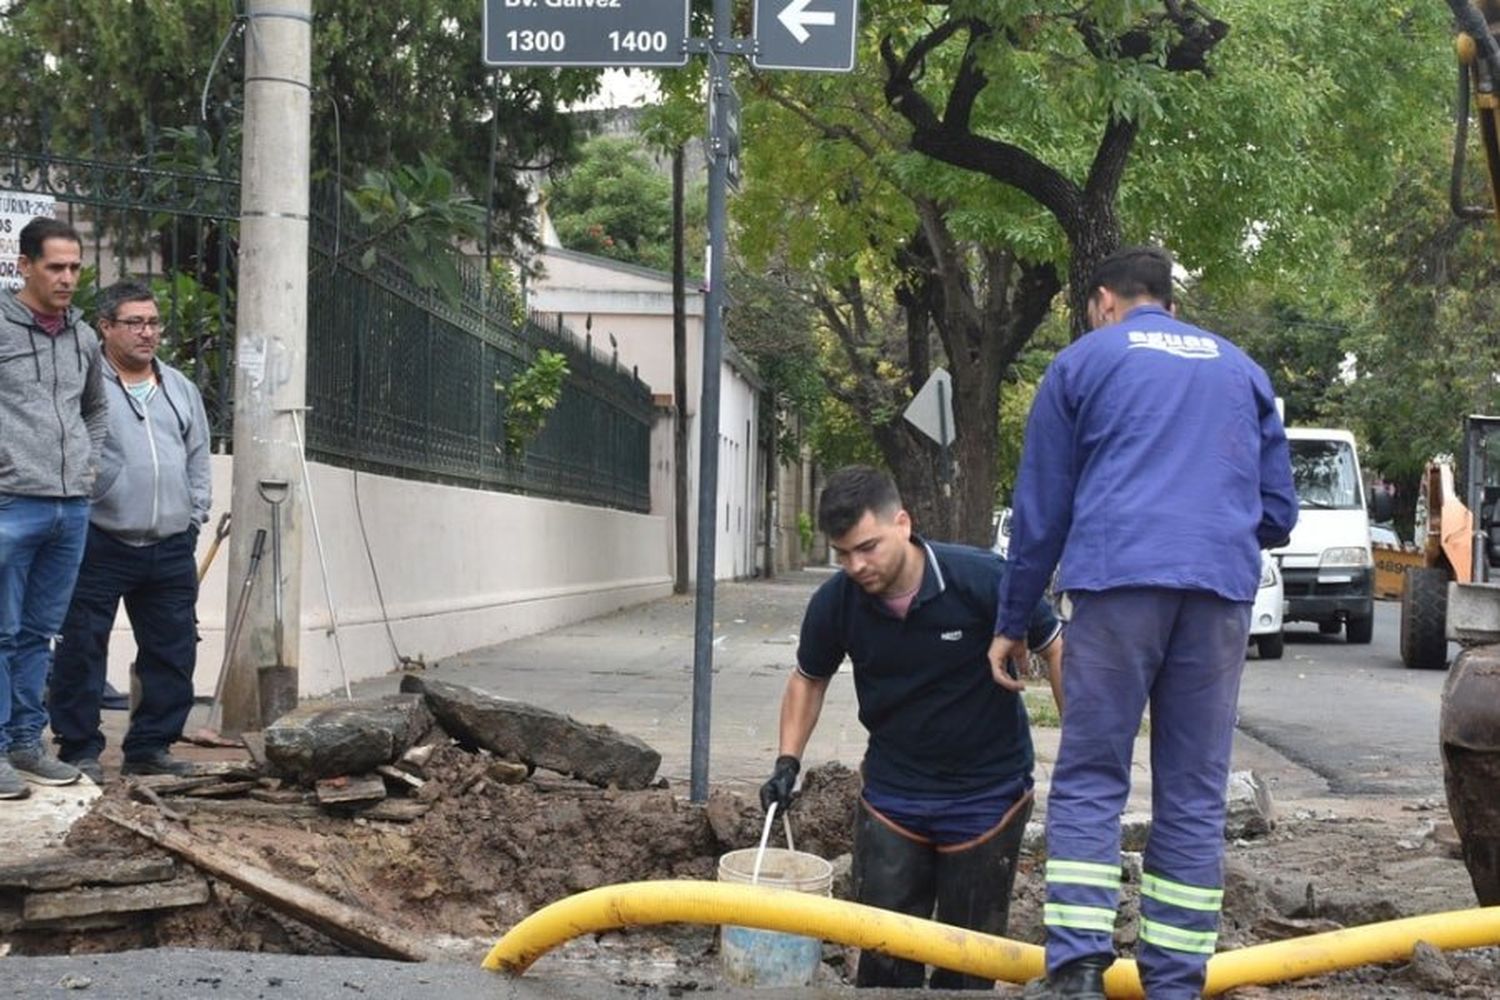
pixel 947 773
pixel 1156 468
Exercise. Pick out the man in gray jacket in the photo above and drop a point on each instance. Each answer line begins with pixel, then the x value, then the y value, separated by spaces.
pixel 52 427
pixel 152 495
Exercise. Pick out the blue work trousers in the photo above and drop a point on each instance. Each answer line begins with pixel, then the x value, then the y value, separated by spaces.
pixel 1183 652
pixel 159 584
pixel 41 542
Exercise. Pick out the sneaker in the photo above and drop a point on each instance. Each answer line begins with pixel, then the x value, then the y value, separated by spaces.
pixel 159 762
pixel 11 784
pixel 39 767
pixel 90 768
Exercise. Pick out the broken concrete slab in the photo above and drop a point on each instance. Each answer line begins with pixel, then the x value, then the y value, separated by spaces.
pixel 64 870
pixel 599 755
pixel 1251 812
pixel 349 789
pixel 324 740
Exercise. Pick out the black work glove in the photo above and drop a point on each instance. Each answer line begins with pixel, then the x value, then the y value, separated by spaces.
pixel 779 788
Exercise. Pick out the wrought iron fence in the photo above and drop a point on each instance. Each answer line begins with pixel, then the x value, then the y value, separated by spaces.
pixel 400 380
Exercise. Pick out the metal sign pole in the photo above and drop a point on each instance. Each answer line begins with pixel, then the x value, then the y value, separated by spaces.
pixel 708 409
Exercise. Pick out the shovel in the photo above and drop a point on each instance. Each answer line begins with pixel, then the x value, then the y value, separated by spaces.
pixel 209 735
pixel 278 682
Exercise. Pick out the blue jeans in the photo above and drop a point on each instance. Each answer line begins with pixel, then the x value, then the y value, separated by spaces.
pixel 41 545
pixel 159 585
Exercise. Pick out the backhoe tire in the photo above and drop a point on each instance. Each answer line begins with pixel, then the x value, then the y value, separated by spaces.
pixel 1359 631
pixel 1271 646
pixel 1424 618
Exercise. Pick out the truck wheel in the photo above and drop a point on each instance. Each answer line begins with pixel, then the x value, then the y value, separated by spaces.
pixel 1424 613
pixel 1270 647
pixel 1359 631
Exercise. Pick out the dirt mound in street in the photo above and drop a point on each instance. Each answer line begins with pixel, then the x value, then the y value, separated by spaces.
pixel 488 853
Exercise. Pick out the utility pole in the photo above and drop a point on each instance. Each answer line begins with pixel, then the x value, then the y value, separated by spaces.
pixel 270 358
pixel 679 378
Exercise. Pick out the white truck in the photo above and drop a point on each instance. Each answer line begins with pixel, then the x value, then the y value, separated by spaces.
pixel 1326 567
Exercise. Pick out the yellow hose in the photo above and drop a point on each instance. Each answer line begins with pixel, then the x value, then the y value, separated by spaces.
pixel 636 904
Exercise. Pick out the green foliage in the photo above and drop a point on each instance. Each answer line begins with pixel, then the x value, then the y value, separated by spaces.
pixel 530 396
pixel 404 75
pixel 805 530
pixel 418 212
pixel 615 203
pixel 194 318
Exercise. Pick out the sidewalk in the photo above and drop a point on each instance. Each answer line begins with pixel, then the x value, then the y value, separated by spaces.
pixel 634 670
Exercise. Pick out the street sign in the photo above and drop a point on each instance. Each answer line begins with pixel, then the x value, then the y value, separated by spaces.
pixel 805 34
pixel 586 32
pixel 725 131
pixel 931 409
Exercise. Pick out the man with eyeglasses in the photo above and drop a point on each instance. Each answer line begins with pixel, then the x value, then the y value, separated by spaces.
pixel 52 427
pixel 152 494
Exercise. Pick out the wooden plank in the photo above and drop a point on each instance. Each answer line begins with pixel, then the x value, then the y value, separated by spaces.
pixel 222 789
pixel 400 777
pixel 67 904
pixel 358 788
pixel 360 929
pixel 172 784
pixel 280 796
pixel 64 871
pixel 397 810
pixel 246 809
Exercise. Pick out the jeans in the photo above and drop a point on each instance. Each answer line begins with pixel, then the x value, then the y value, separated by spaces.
pixel 159 584
pixel 41 545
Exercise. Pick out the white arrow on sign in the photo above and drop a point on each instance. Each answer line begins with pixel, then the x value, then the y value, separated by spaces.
pixel 797 17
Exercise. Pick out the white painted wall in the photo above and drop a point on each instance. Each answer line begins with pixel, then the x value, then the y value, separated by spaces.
pixel 459 569
pixel 634 304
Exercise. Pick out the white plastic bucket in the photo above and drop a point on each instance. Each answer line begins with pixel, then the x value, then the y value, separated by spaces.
pixel 751 957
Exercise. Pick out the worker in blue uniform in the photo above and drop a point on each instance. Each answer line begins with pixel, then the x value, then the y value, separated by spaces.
pixel 947 772
pixel 1156 468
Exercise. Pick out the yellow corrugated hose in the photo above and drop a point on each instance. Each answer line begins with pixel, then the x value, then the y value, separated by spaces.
pixel 635 904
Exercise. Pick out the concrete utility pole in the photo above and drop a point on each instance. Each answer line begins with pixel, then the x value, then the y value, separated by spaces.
pixel 271 360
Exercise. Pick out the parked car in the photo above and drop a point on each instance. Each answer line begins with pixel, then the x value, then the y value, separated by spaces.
pixel 1266 614
pixel 1002 532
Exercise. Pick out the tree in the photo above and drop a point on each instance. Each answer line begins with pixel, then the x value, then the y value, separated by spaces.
pixel 392 81
pixel 986 155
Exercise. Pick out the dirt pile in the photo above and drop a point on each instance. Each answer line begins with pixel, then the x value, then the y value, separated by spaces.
pixel 488 852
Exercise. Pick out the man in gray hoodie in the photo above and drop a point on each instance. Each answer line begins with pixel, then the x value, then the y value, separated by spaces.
pixel 152 495
pixel 52 428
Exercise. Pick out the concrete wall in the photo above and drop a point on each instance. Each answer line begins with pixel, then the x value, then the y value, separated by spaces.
pixel 458 568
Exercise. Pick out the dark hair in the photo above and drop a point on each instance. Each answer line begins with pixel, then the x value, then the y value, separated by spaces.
pixel 850 492
pixel 112 298
pixel 41 229
pixel 1135 272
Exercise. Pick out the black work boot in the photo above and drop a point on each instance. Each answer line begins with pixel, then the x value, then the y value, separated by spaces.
pixel 973 891
pixel 896 873
pixel 1081 979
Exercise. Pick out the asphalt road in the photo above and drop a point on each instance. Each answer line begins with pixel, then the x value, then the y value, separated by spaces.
pixel 1352 714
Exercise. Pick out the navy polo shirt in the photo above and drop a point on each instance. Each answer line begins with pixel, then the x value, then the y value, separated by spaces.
pixel 939 725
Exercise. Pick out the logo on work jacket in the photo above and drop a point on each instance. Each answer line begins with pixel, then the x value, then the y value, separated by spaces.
pixel 1183 345
pixel 953 636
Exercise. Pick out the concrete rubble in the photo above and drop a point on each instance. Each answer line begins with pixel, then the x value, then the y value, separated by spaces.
pixel 322 740
pixel 537 737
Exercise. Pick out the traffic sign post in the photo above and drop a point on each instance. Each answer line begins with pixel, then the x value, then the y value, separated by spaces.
pixel 815 35
pixel 789 34
pixel 586 32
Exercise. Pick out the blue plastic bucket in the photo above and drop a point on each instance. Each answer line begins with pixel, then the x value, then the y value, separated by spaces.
pixel 751 957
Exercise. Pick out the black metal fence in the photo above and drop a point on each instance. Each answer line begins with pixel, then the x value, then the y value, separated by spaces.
pixel 400 379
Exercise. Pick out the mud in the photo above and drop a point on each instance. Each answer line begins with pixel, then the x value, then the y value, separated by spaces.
pixel 488 854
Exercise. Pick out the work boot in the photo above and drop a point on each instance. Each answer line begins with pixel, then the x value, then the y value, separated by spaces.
pixel 973 890
pixel 90 768
pixel 1081 979
pixel 158 762
pixel 12 786
pixel 894 873
pixel 38 766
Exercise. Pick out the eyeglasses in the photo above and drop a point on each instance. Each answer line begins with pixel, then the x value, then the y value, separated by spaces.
pixel 135 324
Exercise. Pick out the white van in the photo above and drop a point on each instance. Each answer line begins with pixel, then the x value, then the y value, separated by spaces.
pixel 1326 567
